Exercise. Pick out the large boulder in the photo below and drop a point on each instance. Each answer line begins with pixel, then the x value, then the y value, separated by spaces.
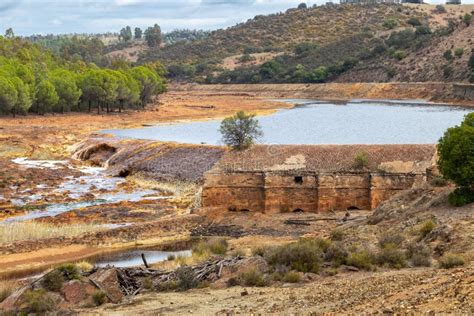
pixel 107 279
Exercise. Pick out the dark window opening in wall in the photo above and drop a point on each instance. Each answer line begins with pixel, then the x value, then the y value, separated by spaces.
pixel 299 180
pixel 353 208
pixel 245 210
pixel 298 210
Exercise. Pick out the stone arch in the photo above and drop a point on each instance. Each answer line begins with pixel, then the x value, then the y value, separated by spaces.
pixel 298 210
pixel 353 208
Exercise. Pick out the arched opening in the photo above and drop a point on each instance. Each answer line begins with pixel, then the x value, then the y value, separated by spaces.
pixel 124 173
pixel 298 210
pixel 232 208
pixel 299 180
pixel 353 208
pixel 245 210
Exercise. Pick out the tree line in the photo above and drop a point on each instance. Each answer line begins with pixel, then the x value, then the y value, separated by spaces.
pixel 33 80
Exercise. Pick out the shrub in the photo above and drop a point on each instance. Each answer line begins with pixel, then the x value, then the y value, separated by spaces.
pixel 458 52
pixel 399 54
pixel 69 271
pixel 426 228
pixel 252 277
pixel 413 21
pixel 38 301
pixel 419 254
pixel 99 298
pixel 53 281
pixel 439 182
pixel 84 266
pixel 440 9
pixel 304 256
pixel 390 24
pixel 170 257
pixel 391 239
pixel 450 260
pixel 448 55
pixel 167 286
pixel 337 235
pixel 336 253
pixel 423 30
pixel 461 197
pixel 362 259
pixel 467 18
pixel 391 256
pixel 361 161
pixel 217 246
pixel 186 278
pixel 292 277
pixel 6 290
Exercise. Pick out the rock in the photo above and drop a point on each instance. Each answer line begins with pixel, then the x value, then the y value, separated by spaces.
pixel 76 291
pixel 108 281
pixel 12 302
pixel 244 293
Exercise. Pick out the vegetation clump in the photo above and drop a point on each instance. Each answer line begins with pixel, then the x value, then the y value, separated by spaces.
pixel 38 301
pixel 419 254
pixel 252 277
pixel 456 160
pixel 362 259
pixel 217 246
pixel 303 256
pixel 99 297
pixel 361 161
pixel 426 228
pixel 53 281
pixel 240 130
pixel 450 260
pixel 186 278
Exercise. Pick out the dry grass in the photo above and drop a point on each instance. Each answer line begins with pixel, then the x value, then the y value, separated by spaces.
pixel 177 188
pixel 33 231
pixel 7 287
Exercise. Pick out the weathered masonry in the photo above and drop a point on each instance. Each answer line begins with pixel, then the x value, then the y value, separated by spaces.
pixel 276 179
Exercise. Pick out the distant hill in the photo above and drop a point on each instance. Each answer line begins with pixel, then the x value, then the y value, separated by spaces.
pixel 380 42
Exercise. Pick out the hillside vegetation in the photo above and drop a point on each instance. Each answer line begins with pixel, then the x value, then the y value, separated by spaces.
pixel 382 42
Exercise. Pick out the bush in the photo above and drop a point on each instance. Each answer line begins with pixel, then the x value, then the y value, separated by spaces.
pixel 252 277
pixel 390 24
pixel 450 260
pixel 292 277
pixel 304 256
pixel 99 298
pixel 217 246
pixel 426 228
pixel 336 253
pixel 53 281
pixel 448 55
pixel 458 52
pixel 391 256
pixel 147 283
pixel 390 239
pixel 414 21
pixel 337 235
pixel 467 18
pixel 461 197
pixel 439 182
pixel 69 271
pixel 440 9
pixel 186 278
pixel 423 30
pixel 361 161
pixel 84 266
pixel 38 301
pixel 170 257
pixel 362 259
pixel 419 254
pixel 399 54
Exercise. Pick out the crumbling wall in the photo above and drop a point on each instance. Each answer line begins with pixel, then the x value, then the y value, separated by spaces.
pixel 277 192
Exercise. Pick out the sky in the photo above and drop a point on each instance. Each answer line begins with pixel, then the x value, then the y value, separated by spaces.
pixel 28 17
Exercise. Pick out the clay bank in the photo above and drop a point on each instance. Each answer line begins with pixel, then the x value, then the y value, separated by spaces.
pixel 278 178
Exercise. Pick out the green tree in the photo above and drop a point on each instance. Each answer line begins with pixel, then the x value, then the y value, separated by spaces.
pixel 126 34
pixel 456 156
pixel 138 33
pixel 9 33
pixel 319 74
pixel 46 97
pixel 240 130
pixel 128 89
pixel 8 95
pixel 153 36
pixel 448 55
pixel 92 88
pixel 64 82
pixel 24 100
pixel 150 83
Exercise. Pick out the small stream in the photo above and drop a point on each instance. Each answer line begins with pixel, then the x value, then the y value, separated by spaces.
pixel 94 179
